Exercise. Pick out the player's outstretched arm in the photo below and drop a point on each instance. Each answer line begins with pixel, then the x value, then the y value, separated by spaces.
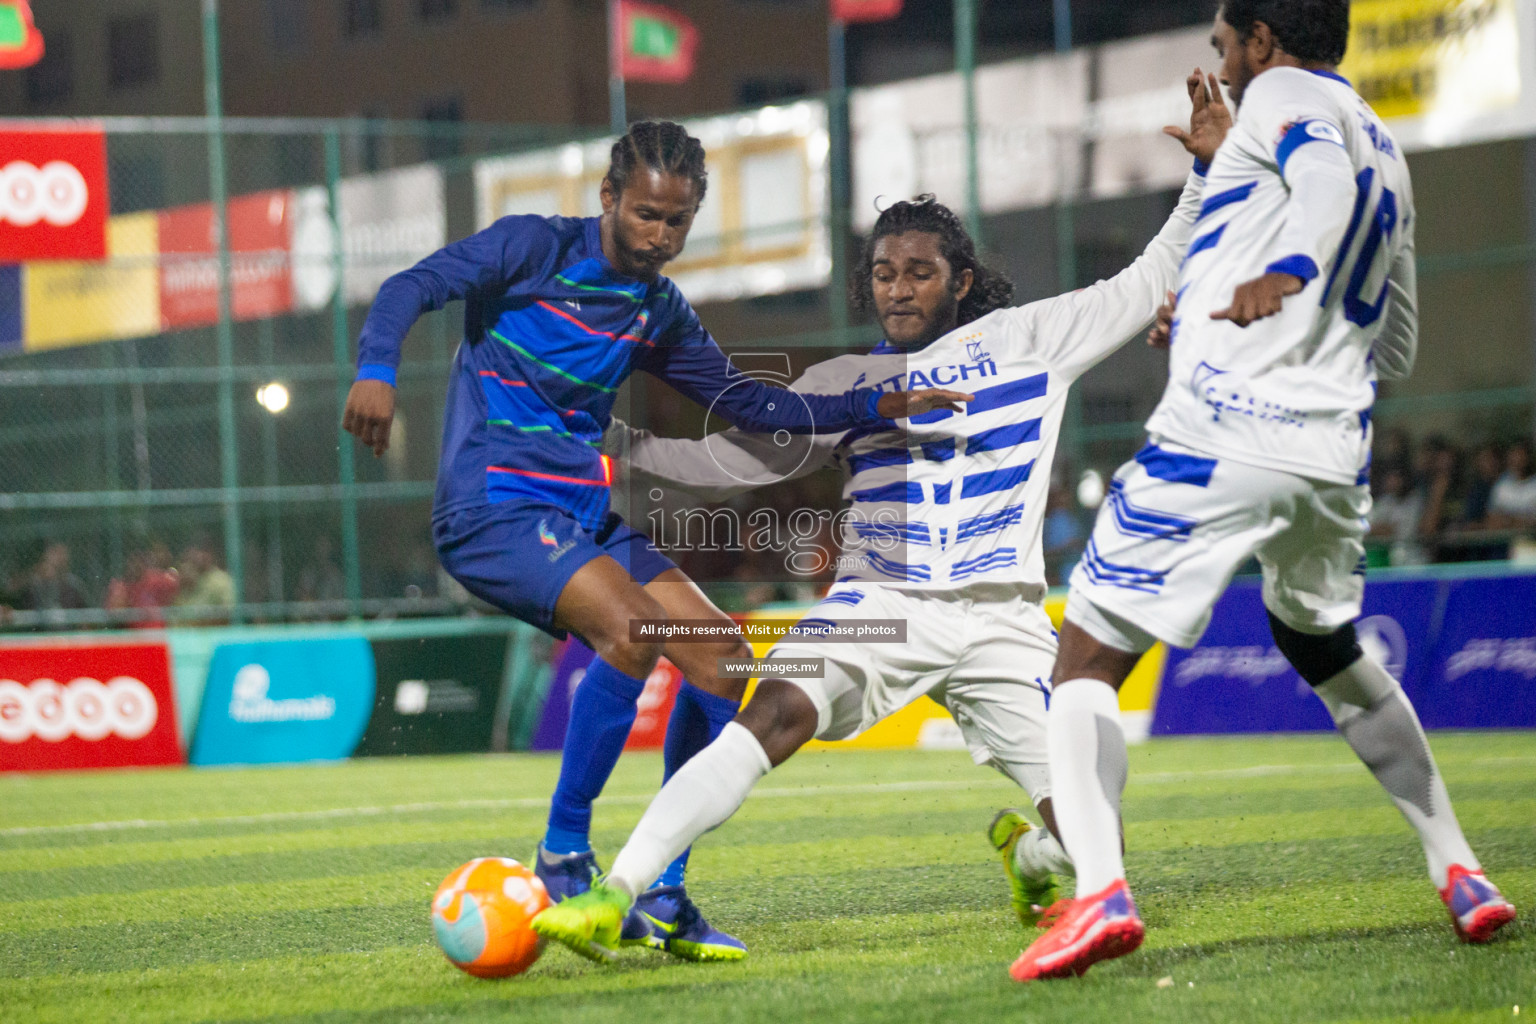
pixel 693 364
pixel 715 468
pixel 1078 330
pixel 503 252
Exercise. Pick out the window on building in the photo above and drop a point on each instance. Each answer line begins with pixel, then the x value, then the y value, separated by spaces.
pixel 52 79
pixel 436 10
pixel 285 25
pixel 441 113
pixel 133 51
pixel 361 18
pixel 763 90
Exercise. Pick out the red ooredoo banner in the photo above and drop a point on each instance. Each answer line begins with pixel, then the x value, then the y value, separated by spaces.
pixel 53 195
pixel 261 282
pixel 86 706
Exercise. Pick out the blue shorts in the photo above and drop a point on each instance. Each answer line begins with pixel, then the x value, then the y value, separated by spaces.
pixel 519 555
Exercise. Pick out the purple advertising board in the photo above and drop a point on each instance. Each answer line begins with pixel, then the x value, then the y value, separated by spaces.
pixel 1235 680
pixel 571 663
pixel 1483 674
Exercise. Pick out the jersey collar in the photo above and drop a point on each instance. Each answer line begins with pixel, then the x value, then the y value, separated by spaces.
pixel 1331 74
pixel 885 348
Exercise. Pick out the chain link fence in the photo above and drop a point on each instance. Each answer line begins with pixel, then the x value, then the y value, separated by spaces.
pixel 144 436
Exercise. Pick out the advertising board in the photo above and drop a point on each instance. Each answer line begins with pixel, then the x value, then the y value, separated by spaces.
pixel 435 695
pixel 53 195
pixel 86 705
pixel 276 701
pixel 1236 680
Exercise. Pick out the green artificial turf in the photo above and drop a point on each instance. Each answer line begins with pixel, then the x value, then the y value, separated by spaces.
pixel 1277 884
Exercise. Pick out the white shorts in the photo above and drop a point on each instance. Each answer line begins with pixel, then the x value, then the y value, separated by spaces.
pixel 1177 524
pixel 985 652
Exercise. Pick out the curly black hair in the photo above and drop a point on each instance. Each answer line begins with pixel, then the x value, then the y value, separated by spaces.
pixel 662 146
pixel 990 290
pixel 1309 30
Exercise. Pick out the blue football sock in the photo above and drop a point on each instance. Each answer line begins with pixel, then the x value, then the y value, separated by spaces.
pixel 602 712
pixel 697 718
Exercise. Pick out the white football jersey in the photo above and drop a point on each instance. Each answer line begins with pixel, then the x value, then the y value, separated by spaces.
pixel 957 498
pixel 1309 182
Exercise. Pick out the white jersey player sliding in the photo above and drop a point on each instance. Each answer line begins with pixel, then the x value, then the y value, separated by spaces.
pixel 1296 293
pixel 944 533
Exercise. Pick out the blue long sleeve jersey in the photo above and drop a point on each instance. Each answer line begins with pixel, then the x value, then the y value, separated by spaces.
pixel 551 330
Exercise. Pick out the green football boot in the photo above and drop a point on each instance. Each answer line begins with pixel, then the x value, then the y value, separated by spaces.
pixel 589 924
pixel 1030 896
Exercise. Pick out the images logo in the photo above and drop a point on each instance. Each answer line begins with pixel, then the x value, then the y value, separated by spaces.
pixel 974 352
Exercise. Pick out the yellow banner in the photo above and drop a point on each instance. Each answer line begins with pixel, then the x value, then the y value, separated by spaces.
pixel 1449 58
pixel 69 303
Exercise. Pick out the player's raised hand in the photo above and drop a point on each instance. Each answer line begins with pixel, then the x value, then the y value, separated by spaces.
pixel 1209 117
pixel 370 412
pixel 1259 298
pixel 1161 334
pixel 901 404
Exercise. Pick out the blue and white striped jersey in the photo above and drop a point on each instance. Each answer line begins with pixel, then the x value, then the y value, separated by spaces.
pixel 1308 182
pixel 956 498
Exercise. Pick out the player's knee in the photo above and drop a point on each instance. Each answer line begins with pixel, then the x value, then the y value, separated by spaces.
pixel 782 718
pixel 614 642
pixel 1317 657
pixel 700 664
pixel 1081 655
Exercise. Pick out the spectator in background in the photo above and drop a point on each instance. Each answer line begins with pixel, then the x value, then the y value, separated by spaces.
pixel 205 586
pixel 1394 450
pixel 149 585
pixel 1441 487
pixel 51 587
pixel 1512 504
pixel 1396 514
pixel 1487 464
pixel 322 579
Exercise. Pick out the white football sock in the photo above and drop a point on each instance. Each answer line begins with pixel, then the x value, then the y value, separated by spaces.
pixel 1088 770
pixel 1379 723
pixel 1038 854
pixel 701 796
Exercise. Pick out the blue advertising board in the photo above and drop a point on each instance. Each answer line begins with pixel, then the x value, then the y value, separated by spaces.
pixel 285 700
pixel 1235 680
pixel 1484 669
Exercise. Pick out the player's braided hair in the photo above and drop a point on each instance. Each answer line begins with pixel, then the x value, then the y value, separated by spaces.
pixel 990 290
pixel 662 146
pixel 1309 30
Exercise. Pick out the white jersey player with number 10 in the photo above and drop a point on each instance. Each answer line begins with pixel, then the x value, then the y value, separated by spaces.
pixel 1297 291
pixel 1312 184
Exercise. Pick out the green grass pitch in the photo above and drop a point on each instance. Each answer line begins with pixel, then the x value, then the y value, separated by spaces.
pixel 1277 883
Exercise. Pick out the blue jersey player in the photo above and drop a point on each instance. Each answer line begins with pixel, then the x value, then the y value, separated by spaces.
pixel 558 312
